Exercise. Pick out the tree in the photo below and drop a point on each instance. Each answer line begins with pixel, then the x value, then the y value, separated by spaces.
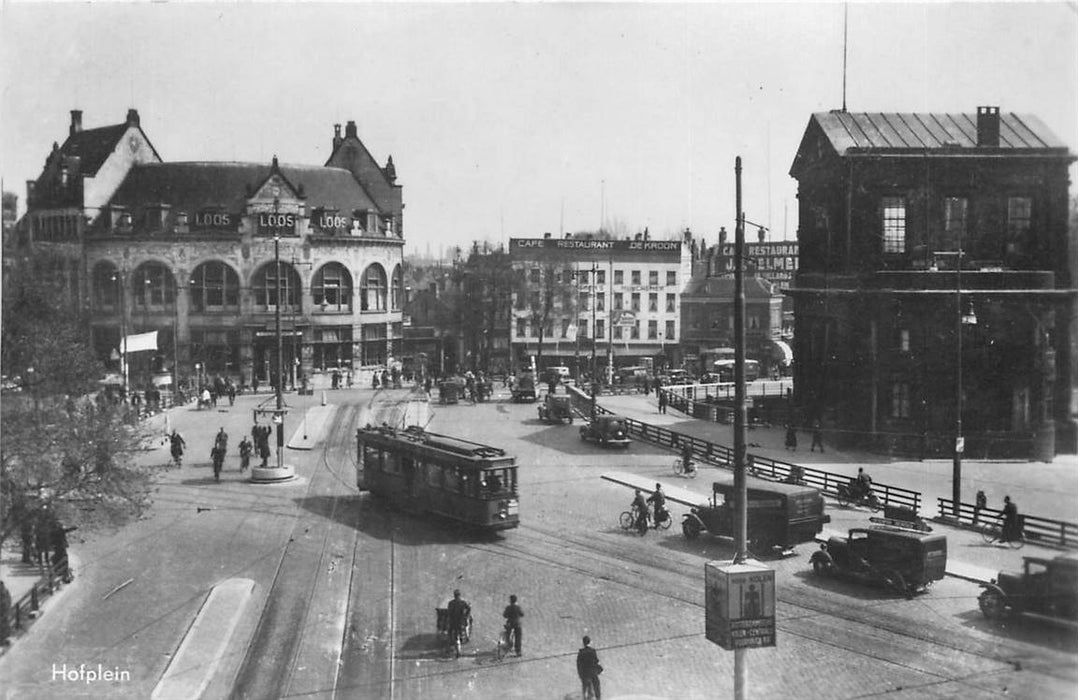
pixel 61 449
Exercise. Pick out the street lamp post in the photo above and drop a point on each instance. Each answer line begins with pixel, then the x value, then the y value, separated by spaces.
pixel 278 416
pixel 119 278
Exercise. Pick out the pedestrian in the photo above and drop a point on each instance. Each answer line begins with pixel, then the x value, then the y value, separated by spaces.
pixel 647 386
pixel 231 393
pixel 221 440
pixel 817 436
pixel 385 379
pixel 350 378
pixel 427 383
pixel 662 400
pixel 335 380
pixel 791 437
pixel 60 563
pixel 589 668
pixel 42 534
pixel 374 380
pixel 217 455
pixel 982 502
pixel 1011 529
pixel 245 453
pixel 5 614
pixel 512 615
pixel 213 398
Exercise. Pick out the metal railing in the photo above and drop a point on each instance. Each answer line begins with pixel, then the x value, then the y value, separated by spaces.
pixel 1054 533
pixel 27 608
pixel 758 465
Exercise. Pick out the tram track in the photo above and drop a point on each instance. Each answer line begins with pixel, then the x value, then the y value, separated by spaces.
pixel 873 620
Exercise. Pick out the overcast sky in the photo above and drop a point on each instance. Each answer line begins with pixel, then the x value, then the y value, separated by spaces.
pixel 510 120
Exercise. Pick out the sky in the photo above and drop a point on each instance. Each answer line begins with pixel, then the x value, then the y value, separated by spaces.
pixel 516 119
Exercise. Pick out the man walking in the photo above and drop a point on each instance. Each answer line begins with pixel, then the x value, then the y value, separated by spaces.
pixel 512 616
pixel 662 399
pixel 588 668
pixel 817 436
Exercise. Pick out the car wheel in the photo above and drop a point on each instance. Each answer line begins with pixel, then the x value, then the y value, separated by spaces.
pixel 896 581
pixel 690 529
pixel 821 567
pixel 992 604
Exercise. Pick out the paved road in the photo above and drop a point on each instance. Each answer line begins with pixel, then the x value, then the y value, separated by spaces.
pixel 346 590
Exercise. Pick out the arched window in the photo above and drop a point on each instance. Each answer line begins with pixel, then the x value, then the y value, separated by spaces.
pixel 152 286
pixel 214 286
pixel 264 286
pixel 373 289
pixel 396 290
pixel 106 287
pixel 332 288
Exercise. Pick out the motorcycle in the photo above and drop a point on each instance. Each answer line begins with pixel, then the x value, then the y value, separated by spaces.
pixel 857 495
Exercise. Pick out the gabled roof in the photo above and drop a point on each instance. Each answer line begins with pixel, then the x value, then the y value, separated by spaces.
pixel 723 287
pixel 93 146
pixel 847 131
pixel 201 185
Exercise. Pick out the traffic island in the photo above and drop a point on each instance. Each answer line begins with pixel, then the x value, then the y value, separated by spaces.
pixel 272 475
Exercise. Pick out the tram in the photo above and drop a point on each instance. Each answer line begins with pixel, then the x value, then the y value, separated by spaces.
pixel 458 479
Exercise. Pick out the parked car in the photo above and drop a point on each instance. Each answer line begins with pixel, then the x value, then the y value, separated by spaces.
pixel 903 560
pixel 1046 587
pixel 558 374
pixel 608 431
pixel 556 408
pixel 675 377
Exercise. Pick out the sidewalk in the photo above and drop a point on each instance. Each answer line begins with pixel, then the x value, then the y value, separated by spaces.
pixel 1048 490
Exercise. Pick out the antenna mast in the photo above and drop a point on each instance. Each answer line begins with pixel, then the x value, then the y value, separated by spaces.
pixel 845 42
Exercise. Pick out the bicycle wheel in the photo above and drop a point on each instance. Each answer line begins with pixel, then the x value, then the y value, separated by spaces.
pixel 1018 542
pixel 679 468
pixel 665 524
pixel 626 520
pixel 990 534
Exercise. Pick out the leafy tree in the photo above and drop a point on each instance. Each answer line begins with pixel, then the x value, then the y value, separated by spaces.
pixel 61 449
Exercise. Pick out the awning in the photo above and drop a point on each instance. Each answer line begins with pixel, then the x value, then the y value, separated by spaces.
pixel 782 351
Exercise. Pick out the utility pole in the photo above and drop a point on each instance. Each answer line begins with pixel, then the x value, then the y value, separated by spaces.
pixel 740 486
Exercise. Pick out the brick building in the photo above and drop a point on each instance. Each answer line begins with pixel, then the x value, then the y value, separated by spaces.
pixel 934 283
pixel 205 253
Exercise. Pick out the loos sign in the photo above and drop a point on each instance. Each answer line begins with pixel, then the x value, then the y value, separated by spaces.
pixel 277 224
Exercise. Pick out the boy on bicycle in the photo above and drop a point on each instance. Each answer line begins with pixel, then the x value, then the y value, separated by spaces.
pixel 512 616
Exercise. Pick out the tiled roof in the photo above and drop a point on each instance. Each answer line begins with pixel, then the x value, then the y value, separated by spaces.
pixel 755 287
pixel 93 146
pixel 199 185
pixel 909 131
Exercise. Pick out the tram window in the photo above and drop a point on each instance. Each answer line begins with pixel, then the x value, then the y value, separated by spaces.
pixel 406 465
pixel 372 458
pixel 492 481
pixel 434 475
pixel 452 480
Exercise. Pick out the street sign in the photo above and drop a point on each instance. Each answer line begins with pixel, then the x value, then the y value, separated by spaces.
pixel 739 604
pixel 627 319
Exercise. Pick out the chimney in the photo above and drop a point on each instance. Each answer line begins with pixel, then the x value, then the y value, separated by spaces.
pixel 350 130
pixel 76 122
pixel 337 136
pixel 132 117
pixel 988 126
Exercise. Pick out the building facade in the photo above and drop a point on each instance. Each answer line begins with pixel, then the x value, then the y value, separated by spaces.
pixel 934 296
pixel 617 298
pixel 214 256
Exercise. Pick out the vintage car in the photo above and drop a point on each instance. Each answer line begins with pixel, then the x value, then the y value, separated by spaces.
pixel 903 560
pixel 556 408
pixel 1045 587
pixel 524 388
pixel 779 515
pixel 449 390
pixel 608 431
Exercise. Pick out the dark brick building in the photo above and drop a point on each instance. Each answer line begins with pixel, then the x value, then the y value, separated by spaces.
pixel 934 274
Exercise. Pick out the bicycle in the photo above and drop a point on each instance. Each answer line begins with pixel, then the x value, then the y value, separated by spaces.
pixel 506 642
pixel 631 519
pixel 679 469
pixel 994 533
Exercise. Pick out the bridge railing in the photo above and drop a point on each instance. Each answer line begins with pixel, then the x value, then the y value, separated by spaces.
pixel 1055 533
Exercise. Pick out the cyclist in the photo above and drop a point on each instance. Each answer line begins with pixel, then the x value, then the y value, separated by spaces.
pixel 659 499
pixel 687 464
pixel 512 615
pixel 459 612
pixel 863 483
pixel 177 447
pixel 640 507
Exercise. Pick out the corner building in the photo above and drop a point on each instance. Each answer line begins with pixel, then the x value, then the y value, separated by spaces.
pixel 936 283
pixel 205 253
pixel 621 297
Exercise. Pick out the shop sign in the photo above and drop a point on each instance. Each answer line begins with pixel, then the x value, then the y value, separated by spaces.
pixel 277 224
pixel 215 219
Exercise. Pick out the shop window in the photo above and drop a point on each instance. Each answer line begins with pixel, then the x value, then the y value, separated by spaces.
pixel 331 347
